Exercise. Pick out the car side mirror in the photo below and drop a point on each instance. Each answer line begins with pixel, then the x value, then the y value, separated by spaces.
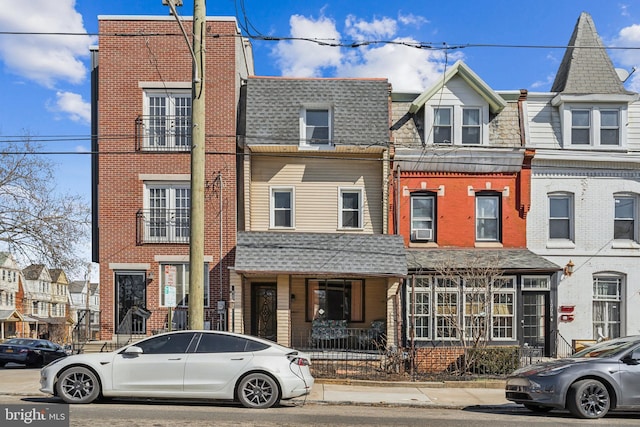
pixel 133 351
pixel 632 358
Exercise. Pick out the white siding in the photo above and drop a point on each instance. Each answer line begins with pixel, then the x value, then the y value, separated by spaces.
pixel 543 123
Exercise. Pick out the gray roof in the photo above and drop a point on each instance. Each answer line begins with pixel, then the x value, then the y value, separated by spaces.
pixel 360 109
pixel 513 260
pixel 586 67
pixel 33 271
pixel 321 253
pixel 461 159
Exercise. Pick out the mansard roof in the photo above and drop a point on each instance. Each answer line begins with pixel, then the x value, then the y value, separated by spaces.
pixel 495 101
pixel 586 68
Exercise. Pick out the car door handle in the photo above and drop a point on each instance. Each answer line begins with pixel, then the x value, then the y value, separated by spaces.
pixel 238 358
pixel 177 358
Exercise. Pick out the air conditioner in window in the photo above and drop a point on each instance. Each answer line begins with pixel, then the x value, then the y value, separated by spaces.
pixel 423 234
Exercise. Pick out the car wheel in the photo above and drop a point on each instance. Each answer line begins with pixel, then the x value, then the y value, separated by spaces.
pixel 537 408
pixel 258 391
pixel 2 364
pixel 78 385
pixel 588 399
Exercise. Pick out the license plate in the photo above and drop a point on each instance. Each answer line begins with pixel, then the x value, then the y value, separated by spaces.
pixel 9 350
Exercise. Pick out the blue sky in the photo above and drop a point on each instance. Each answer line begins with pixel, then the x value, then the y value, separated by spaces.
pixel 44 79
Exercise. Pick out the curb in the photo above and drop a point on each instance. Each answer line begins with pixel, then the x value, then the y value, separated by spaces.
pixel 492 384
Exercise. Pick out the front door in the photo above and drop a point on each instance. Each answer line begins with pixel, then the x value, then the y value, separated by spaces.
pixel 263 310
pixel 131 294
pixel 535 322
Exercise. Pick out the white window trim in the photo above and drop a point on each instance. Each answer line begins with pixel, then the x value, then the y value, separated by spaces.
pixel 570 242
pixel 456 123
pixel 505 290
pixel 636 209
pixel 547 286
pixel 161 273
pixel 498 238
pixel 433 216
pixel 360 191
pixel 621 298
pixel 272 220
pixel 304 142
pixel 427 289
pixel 171 187
pixel 167 93
pixel 594 131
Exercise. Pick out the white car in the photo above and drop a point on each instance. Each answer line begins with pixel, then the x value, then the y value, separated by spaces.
pixel 184 364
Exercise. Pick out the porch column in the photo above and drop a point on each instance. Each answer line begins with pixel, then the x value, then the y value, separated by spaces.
pixel 283 315
pixel 393 287
pixel 236 313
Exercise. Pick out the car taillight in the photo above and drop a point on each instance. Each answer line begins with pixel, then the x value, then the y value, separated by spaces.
pixel 299 361
pixel 24 350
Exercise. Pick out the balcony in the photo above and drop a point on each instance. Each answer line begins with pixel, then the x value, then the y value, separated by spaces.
pixel 158 225
pixel 163 133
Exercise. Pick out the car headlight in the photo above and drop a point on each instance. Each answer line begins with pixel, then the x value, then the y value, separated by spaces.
pixel 554 371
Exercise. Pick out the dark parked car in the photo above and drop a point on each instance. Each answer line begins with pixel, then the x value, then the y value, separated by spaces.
pixel 30 352
pixel 593 381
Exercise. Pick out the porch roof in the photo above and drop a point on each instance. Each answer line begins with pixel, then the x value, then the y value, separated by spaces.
pixel 10 316
pixel 345 254
pixel 512 260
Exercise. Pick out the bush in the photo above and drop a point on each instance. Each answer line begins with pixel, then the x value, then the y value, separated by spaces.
pixel 493 360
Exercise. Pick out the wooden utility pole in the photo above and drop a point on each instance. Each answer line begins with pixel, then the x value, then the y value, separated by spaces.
pixel 196 237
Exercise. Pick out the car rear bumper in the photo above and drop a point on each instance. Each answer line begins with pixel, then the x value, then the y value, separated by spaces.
pixel 297 385
pixel 14 357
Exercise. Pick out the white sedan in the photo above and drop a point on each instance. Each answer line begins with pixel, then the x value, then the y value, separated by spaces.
pixel 184 364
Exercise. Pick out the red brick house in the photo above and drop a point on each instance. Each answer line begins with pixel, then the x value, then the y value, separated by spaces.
pixel 142 79
pixel 460 194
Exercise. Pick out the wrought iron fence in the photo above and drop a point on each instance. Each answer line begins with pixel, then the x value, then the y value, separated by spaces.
pixel 162 226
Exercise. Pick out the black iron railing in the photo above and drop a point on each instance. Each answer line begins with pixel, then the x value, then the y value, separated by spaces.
pixel 163 133
pixel 162 226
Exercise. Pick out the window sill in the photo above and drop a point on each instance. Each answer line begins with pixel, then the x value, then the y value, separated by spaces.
pixel 281 228
pixel 344 229
pixel 625 244
pixel 561 244
pixel 423 244
pixel 488 245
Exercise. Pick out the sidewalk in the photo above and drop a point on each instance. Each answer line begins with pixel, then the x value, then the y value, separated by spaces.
pixel 25 382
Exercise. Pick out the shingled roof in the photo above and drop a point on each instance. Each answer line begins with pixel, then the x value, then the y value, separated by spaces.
pixel 512 260
pixel 380 255
pixel 586 67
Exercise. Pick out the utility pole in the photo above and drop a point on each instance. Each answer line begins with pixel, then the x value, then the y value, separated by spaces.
pixel 196 229
pixel 196 236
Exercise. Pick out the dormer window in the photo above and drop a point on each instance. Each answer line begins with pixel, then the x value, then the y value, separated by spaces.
pixel 595 126
pixel 315 126
pixel 457 125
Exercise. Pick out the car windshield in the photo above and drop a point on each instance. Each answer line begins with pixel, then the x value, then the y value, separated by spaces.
pixel 607 348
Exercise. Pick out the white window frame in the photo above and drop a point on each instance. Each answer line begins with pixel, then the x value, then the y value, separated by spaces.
pixel 177 116
pixel 457 123
pixel 305 139
pixel 341 209
pixel 182 283
pixel 506 291
pixel 175 213
pixel 603 301
pixel 569 219
pixel 444 290
pixel 273 209
pixel 536 283
pixel 415 218
pixel 437 125
pixel 480 216
pixel 634 218
pixel 421 316
pixel 595 126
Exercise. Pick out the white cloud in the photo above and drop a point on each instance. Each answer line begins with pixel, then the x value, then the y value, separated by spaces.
pixel 628 58
pixel 73 106
pixel 45 59
pixel 411 19
pixel 305 58
pixel 376 29
pixel 407 68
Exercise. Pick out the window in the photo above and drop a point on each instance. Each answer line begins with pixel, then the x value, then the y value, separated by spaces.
pixel 580 127
pixel 488 217
pixel 316 126
pixel 177 275
pixel 282 212
pixel 350 208
pixel 607 300
pixel 625 213
pixel 419 315
pixel 335 299
pixel 609 127
pixel 167 213
pixel 532 283
pixel 503 309
pixel 167 120
pixel 595 126
pixel 167 344
pixel 422 217
pixel 471 129
pixel 446 309
pixel 442 126
pixel 560 217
